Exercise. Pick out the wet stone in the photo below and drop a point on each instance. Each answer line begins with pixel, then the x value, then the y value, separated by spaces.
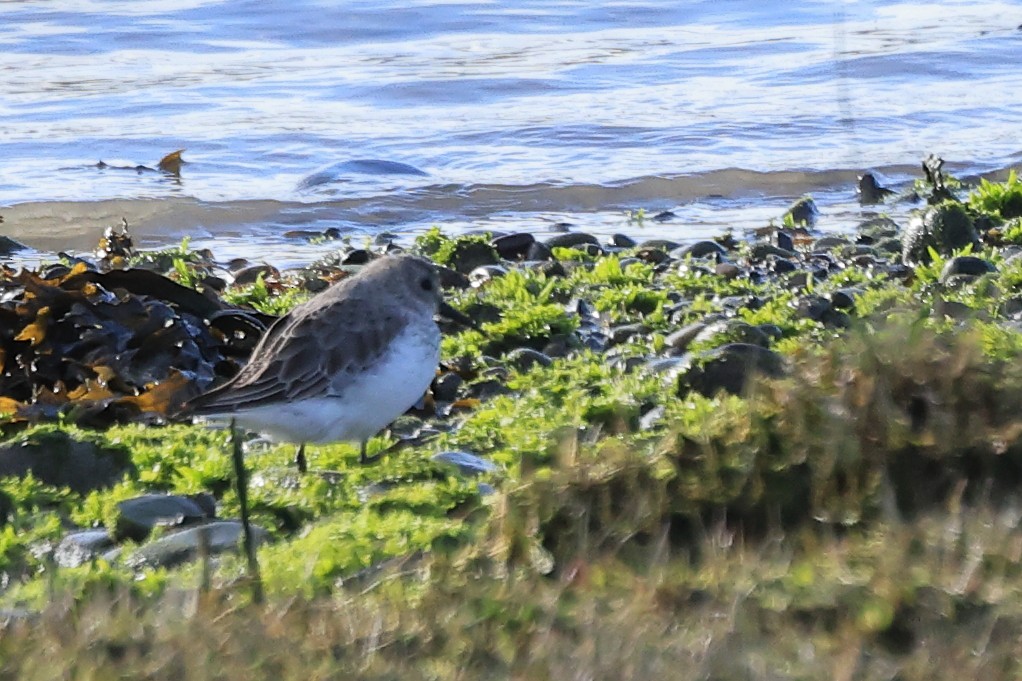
pixel 813 307
pixel 783 240
pixel 79 548
pixel 514 246
pixel 729 368
pixel 844 298
pixel 59 460
pixel 678 341
pixel 759 252
pixel 622 241
pixel 660 244
pixel 780 265
pixel 572 240
pixel 524 359
pixel 803 212
pixel 968 265
pixel 446 386
pixel 251 275
pixel 731 331
pixel 871 190
pixel 728 270
pixel 621 334
pixel 652 418
pixel 699 249
pixel 184 546
pixel 468 465
pixel 137 517
pixel 469 255
pixel 481 275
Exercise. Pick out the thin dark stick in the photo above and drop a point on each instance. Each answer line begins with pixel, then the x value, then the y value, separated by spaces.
pixel 241 478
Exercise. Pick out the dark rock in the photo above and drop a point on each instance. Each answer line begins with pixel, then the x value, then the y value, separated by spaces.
pixel 470 254
pixel 486 388
pixel 780 265
pixel 137 517
pixel 9 246
pixel 356 256
pixel 55 458
pixel 468 465
pixel 652 255
pixel 539 251
pixel 844 298
pixel 624 332
pixel 728 270
pixel 783 240
pixel 803 212
pixel 870 189
pixel 729 368
pixel 481 275
pixel 80 547
pixel 251 275
pixel 759 252
pixel 524 359
pixel 572 240
pixel 827 243
pixel 446 386
pixel 943 227
pixel 699 249
pixel 552 268
pixel 514 246
pixel 622 241
pixel 731 331
pixel 664 216
pixel 813 307
pixel 452 278
pixel 678 341
pixel 968 265
pixel 664 245
pixel 180 547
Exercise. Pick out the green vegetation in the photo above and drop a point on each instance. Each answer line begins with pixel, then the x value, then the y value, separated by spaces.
pixel 853 516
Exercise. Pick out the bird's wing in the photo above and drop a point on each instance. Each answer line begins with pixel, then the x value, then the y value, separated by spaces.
pixel 307 354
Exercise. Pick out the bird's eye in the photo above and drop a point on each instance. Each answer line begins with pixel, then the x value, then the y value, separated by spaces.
pixel 426 284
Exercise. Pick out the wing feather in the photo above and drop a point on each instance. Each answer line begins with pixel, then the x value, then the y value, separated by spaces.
pixel 311 352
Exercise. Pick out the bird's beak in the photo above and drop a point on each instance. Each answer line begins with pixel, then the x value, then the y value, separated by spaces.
pixel 449 312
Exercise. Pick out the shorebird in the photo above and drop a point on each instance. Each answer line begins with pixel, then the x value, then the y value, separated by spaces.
pixel 343 365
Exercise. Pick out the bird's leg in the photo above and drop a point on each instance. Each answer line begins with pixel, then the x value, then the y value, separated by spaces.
pixel 241 484
pixel 303 465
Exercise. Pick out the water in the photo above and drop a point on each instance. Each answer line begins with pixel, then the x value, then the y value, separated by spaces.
pixel 518 115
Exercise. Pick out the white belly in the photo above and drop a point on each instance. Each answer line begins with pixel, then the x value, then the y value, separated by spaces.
pixel 365 407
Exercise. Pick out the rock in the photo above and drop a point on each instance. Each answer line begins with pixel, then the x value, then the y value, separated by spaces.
pixel 844 298
pixel 137 517
pixel 183 546
pixel 664 245
pixel 813 307
pixel 729 368
pixel 943 227
pixel 728 270
pixel 524 359
pixel 572 240
pixel 968 265
pixel 870 190
pixel 731 331
pixel 446 386
pixel 539 251
pixel 783 240
pixel 699 249
pixel 760 252
pixel 470 254
pixel 513 246
pixel 481 275
pixel 803 212
pixel 624 332
pixel 79 548
pixel 678 341
pixel 57 459
pixel 826 243
pixel 652 418
pixel 622 241
pixel 250 275
pixel 9 246
pixel 469 465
